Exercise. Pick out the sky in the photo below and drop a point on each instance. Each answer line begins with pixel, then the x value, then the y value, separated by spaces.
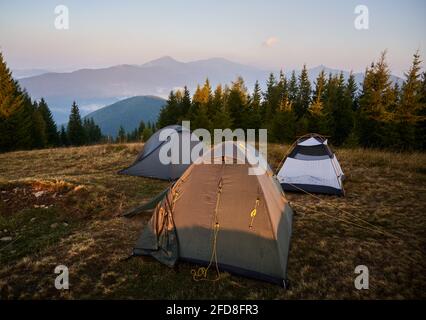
pixel 267 34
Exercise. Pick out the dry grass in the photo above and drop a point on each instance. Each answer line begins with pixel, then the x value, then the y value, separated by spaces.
pixel 75 221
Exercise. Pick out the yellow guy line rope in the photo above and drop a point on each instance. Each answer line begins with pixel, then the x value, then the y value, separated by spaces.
pixel 201 273
pixel 253 213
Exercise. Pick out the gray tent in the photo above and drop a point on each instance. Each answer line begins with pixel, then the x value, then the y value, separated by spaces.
pixel 148 163
pixel 219 210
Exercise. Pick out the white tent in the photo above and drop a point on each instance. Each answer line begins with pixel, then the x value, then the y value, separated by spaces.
pixel 311 166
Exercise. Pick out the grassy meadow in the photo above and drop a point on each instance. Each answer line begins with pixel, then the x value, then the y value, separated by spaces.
pixel 63 206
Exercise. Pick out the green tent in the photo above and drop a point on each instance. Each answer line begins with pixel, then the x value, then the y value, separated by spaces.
pixel 219 215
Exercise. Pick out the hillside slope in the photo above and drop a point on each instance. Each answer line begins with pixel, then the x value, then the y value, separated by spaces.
pixel 127 113
pixel 64 206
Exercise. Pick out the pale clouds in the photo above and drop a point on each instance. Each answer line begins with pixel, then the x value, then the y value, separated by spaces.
pixel 270 42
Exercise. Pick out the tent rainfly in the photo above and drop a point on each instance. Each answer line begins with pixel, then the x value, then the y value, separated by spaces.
pixel 148 164
pixel 311 166
pixel 218 214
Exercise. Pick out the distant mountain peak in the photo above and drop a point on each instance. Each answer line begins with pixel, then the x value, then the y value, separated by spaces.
pixel 162 61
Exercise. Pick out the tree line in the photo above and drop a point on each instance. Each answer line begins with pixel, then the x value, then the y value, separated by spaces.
pixel 376 113
pixel 28 124
pixel 142 133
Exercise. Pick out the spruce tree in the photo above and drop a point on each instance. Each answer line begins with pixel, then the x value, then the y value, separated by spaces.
pixel 316 116
pixel 146 134
pixel 283 125
pixel 202 109
pixel 141 129
pixel 351 91
pixel 195 104
pixel 52 135
pixel 92 131
pixel 376 100
pixel 63 137
pixel 15 113
pixel 22 123
pixel 201 119
pixel 39 127
pixel 185 104
pixel 121 136
pixel 11 97
pixel 75 131
pixel 303 99
pixel 254 116
pixel 408 109
pixel 237 102
pixel 293 90
pixel 342 112
pixel 221 118
pixel 218 100
pixel 169 114
pixel 271 100
pixel 421 124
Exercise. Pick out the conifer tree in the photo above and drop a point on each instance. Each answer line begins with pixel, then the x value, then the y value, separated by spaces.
pixel 141 128
pixel 342 112
pixel 421 124
pixel 15 113
pixel 75 130
pixel 52 135
pixel 254 117
pixel 376 99
pixel 39 132
pixel 283 126
pixel 11 97
pixel 237 102
pixel 146 133
pixel 316 115
pixel 218 100
pixel 271 99
pixel 201 111
pixel 63 137
pixel 221 118
pixel 185 104
pixel 201 119
pixel 408 109
pixel 22 124
pixel 121 136
pixel 92 131
pixel 351 90
pixel 170 112
pixel 293 90
pixel 303 99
